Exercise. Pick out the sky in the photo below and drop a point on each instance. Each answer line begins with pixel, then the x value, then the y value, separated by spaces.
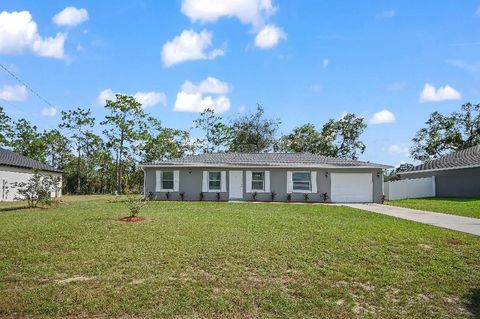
pixel 391 62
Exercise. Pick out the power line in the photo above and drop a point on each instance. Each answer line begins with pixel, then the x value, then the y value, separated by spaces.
pixel 26 85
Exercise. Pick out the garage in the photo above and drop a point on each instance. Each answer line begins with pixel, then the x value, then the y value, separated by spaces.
pixel 351 187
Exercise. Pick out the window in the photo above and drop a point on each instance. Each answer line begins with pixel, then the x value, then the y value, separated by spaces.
pixel 214 180
pixel 167 179
pixel 258 181
pixel 301 181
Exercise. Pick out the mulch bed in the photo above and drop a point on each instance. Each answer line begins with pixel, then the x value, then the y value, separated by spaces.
pixel 131 219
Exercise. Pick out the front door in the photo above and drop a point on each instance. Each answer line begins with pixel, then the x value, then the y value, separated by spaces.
pixel 235 185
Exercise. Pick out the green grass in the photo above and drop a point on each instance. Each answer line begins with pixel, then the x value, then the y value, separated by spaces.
pixel 457 206
pixel 232 260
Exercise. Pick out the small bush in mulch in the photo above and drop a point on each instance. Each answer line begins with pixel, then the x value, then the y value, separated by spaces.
pixel 134 204
pixel 132 219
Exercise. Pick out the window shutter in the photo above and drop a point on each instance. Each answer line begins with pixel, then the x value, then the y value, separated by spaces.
pixel 267 182
pixel 205 182
pixel 223 182
pixel 289 182
pixel 313 176
pixel 176 181
pixel 158 181
pixel 248 178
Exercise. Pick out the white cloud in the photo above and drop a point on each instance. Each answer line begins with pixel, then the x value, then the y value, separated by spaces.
pixel 269 36
pixel 242 108
pixel 386 14
pixel 382 117
pixel 105 95
pixel 325 63
pixel 18 33
pixel 148 99
pixel 70 16
pixel 443 93
pixel 399 149
pixel 191 97
pixel 16 93
pixel 188 46
pixel 254 12
pixel 49 111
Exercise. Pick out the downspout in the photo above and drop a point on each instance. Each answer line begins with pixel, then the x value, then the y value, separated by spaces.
pixel 144 175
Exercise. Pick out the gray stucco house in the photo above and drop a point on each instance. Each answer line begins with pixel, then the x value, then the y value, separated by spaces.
pixel 264 177
pixel 456 174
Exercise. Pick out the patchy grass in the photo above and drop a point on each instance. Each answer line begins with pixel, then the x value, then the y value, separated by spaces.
pixel 456 206
pixel 231 260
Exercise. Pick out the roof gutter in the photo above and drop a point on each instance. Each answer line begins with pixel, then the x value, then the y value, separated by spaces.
pixel 263 166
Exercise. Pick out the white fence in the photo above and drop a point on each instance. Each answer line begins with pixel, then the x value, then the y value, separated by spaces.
pixel 410 188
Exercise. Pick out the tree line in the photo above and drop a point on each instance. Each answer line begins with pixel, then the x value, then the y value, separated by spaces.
pixel 108 161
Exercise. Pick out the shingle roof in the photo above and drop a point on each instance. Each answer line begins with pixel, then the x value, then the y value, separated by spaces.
pixel 9 158
pixel 265 159
pixel 466 158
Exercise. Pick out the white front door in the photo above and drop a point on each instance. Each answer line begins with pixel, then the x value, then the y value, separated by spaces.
pixel 235 185
pixel 351 187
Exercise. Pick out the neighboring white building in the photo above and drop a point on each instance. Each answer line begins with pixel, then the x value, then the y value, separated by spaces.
pixel 16 168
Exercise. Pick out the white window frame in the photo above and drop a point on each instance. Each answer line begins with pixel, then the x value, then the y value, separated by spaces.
pixel 159 181
pixel 257 180
pixel 313 183
pixel 309 190
pixel 220 180
pixel 162 180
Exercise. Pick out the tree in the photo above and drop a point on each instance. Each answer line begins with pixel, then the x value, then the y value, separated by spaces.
pixel 253 133
pixel 6 129
pixel 37 189
pixel 446 134
pixel 218 135
pixel 127 125
pixel 168 143
pixel 56 148
pixel 78 123
pixel 303 139
pixel 27 141
pixel 343 137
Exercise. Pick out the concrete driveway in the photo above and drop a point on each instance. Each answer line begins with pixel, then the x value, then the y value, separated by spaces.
pixel 459 223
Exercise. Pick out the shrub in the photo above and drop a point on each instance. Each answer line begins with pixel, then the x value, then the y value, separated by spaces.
pixel 182 195
pixel 289 197
pixel 272 196
pixel 218 197
pixel 305 196
pixel 37 190
pixel 167 195
pixel 202 195
pixel 254 195
pixel 150 196
pixel 135 203
pixel 324 197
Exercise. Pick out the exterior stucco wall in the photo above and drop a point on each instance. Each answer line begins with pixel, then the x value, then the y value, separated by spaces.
pixel 190 182
pixel 11 175
pixel 453 183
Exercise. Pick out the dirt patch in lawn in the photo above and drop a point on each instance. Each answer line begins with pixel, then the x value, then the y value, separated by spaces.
pixel 132 219
pixel 73 279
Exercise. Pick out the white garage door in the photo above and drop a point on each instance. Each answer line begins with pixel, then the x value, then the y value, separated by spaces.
pixel 351 187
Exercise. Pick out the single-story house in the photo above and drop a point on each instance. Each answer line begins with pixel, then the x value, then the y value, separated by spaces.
pixel 16 168
pixel 264 177
pixel 456 174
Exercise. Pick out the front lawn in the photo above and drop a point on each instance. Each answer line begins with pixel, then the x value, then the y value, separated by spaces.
pixel 457 206
pixel 232 260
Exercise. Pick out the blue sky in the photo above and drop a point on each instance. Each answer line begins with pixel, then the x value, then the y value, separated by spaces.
pixel 393 62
